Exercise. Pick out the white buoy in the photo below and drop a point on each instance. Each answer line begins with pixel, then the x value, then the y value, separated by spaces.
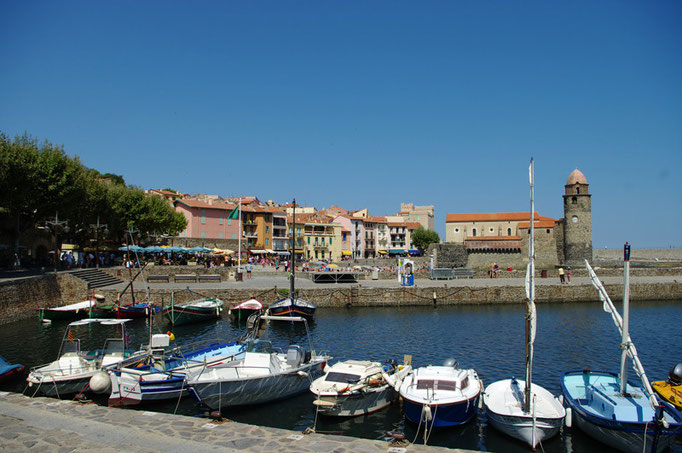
pixel 569 417
pixel 427 413
pixel 100 382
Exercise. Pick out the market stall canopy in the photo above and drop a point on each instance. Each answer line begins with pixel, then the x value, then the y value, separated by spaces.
pixel 131 248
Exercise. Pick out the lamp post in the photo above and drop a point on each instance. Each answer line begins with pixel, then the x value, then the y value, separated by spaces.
pixel 56 226
pixel 96 227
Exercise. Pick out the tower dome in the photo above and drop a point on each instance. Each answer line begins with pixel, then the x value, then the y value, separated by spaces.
pixel 576 177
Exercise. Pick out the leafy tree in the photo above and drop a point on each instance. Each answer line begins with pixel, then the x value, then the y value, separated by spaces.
pixel 422 238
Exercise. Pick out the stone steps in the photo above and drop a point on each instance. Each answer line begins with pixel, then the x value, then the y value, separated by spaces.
pixel 96 278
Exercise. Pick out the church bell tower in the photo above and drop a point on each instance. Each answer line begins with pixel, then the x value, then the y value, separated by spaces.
pixel 577 220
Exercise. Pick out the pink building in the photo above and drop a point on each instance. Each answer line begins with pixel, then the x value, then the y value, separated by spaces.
pixel 208 221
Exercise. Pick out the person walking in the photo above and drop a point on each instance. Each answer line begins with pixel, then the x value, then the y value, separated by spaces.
pixel 249 268
pixel 561 275
pixel 568 275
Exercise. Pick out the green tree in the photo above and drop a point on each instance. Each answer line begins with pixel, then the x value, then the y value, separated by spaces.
pixel 37 180
pixel 422 238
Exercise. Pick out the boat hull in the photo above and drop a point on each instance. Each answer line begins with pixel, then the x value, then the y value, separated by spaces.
pixel 219 394
pixel 504 406
pixel 242 314
pixel 670 393
pixel 133 311
pixel 356 403
pixel 187 315
pixel 284 307
pixel 59 387
pixel 443 415
pixel 13 372
pixel 624 423
pixel 127 390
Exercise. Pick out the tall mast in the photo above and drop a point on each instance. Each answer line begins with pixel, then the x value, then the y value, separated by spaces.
pixel 625 338
pixel 239 236
pixel 530 311
pixel 293 255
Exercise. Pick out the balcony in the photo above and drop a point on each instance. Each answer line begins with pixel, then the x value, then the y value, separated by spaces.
pixel 320 246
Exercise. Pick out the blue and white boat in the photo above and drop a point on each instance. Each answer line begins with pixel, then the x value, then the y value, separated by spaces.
pixel 439 396
pixel 160 375
pixel 609 408
pixel 295 307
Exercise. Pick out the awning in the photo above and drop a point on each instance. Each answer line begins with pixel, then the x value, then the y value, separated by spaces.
pixel 413 252
pixel 269 251
pixel 257 252
pixel 396 251
pixel 280 252
pixel 346 252
pixel 382 252
pixel 69 247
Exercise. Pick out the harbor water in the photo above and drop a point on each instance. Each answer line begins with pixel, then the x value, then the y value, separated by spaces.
pixel 488 338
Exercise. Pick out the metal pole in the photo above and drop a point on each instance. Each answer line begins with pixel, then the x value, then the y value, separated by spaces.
pixel 625 339
pixel 531 290
pixel 293 256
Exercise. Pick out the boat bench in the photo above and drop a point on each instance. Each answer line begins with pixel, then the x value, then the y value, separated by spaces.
pixel 158 278
pixel 209 277
pixel 186 278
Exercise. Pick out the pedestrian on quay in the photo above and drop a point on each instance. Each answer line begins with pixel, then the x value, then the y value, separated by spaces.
pixel 568 274
pixel 561 275
pixel 249 268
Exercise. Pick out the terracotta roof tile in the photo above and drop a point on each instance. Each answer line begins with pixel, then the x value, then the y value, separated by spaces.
pixel 542 223
pixel 490 217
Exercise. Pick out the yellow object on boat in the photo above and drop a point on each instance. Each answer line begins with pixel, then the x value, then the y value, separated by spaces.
pixel 670 393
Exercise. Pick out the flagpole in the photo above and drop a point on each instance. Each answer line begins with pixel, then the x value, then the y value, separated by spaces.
pixel 239 250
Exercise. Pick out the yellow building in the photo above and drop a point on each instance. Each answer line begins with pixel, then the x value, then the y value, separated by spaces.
pixel 321 237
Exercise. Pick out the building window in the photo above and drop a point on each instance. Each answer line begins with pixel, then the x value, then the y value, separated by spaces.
pixel 574 200
pixel 308 239
pixel 456 230
pixel 473 232
pixel 267 241
pixel 267 229
pixel 548 231
pixel 220 235
pixel 577 190
pixel 220 220
pixel 203 235
pixel 229 221
pixel 491 230
pixel 234 235
pixel 330 241
pixel 508 231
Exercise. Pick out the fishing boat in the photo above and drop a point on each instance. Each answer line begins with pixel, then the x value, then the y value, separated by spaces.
pixel 440 396
pixel 9 371
pixel 529 413
pixel 293 306
pixel 160 374
pixel 356 387
pixel 204 309
pixel 608 407
pixel 74 367
pixel 69 312
pixel 671 389
pixel 243 310
pixel 102 309
pixel 263 375
pixel 136 310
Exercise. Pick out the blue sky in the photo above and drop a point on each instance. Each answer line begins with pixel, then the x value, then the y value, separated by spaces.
pixel 365 103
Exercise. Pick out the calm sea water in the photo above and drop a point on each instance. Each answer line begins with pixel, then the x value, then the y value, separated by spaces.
pixel 487 338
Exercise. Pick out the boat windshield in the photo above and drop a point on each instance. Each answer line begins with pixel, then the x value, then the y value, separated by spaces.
pixel 424 384
pixel 345 378
pixel 259 346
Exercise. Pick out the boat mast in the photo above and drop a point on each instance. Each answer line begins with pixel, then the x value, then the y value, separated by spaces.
pixel 530 312
pixel 293 255
pixel 239 236
pixel 625 338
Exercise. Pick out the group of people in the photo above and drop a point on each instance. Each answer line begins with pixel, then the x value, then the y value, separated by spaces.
pixel 565 275
pixel 493 270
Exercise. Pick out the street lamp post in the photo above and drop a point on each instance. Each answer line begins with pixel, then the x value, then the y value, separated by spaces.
pixel 96 227
pixel 55 226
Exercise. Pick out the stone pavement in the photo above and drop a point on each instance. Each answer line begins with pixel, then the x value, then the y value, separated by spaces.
pixel 46 424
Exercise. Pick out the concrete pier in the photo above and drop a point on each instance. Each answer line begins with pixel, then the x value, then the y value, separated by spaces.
pixel 45 424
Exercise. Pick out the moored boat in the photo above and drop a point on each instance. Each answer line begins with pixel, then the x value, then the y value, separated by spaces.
pixel 526 412
pixel 74 367
pixel 204 309
pixel 297 307
pixel 243 310
pixel 263 375
pixel 440 396
pixel 609 408
pixel 69 312
pixel 9 371
pixel 671 389
pixel 356 387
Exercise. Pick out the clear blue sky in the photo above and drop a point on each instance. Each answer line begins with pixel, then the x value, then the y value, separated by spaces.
pixel 365 103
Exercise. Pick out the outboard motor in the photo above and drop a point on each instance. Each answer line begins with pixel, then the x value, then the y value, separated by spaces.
pixel 451 362
pixel 675 374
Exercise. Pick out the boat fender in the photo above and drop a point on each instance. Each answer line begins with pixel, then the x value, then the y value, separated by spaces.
pixel 561 399
pixel 569 417
pixel 426 413
pixel 100 382
pixel 390 379
pixel 302 373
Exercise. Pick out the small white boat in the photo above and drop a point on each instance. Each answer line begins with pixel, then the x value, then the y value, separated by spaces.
pixel 528 413
pixel 438 396
pixel 243 310
pixel 72 371
pixel 262 375
pixel 356 387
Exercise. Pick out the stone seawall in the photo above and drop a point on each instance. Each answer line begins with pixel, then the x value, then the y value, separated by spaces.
pixel 375 297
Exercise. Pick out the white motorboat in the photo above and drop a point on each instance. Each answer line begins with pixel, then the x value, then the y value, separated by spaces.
pixel 529 413
pixel 74 367
pixel 356 387
pixel 438 396
pixel 262 375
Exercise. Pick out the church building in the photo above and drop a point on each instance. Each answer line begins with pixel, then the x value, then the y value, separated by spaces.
pixel 502 237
